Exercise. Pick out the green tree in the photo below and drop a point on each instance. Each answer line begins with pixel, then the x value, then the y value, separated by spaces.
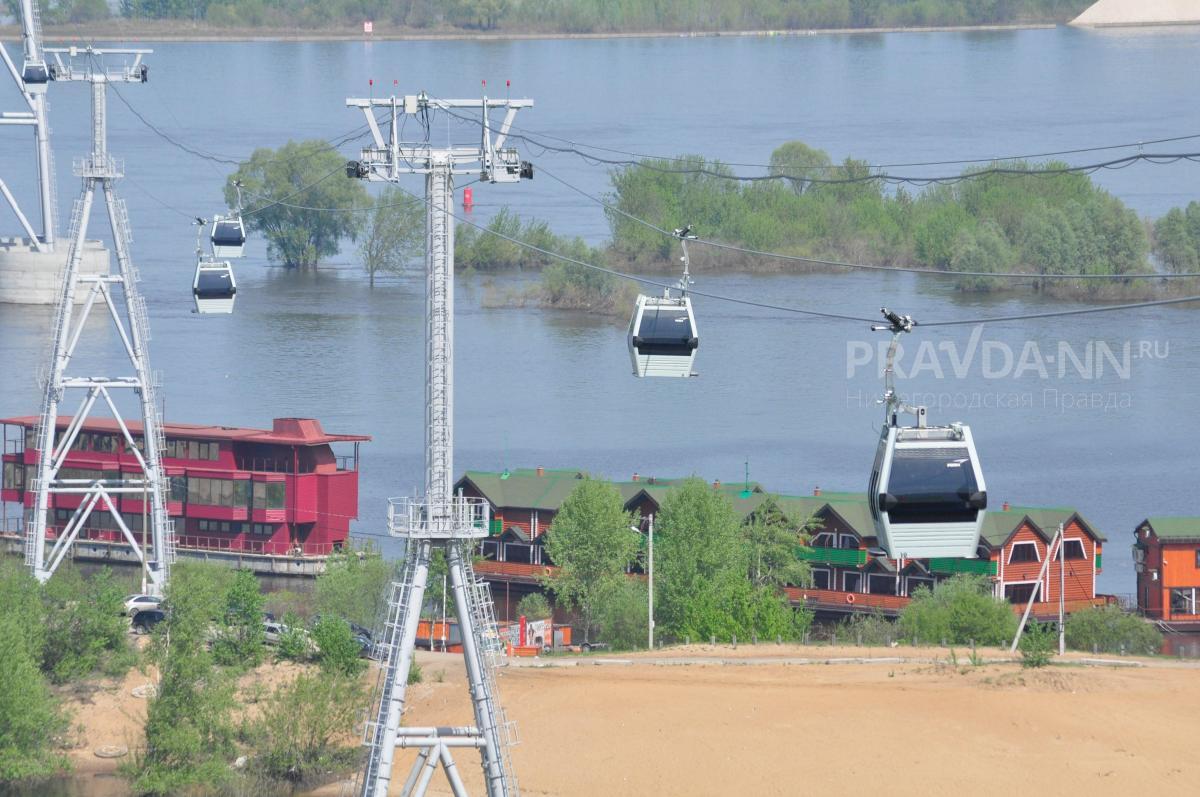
pixel 30 718
pixel 354 586
pixel 700 564
pixel 300 199
pixel 189 726
pixel 240 640
pixel 772 536
pixel 393 234
pixel 1037 645
pixel 959 610
pixel 800 163
pixel 338 651
pixel 1177 239
pixel 982 249
pixel 593 546
pixel 623 617
pixel 534 606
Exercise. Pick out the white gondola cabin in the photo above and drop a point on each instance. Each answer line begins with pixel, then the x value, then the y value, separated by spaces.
pixel 214 287
pixel 228 236
pixel 662 337
pixel 927 492
pixel 35 75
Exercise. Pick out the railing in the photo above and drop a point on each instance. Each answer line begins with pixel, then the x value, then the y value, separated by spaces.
pixel 270 465
pixel 983 567
pixel 250 546
pixel 847 601
pixel 458 518
pixel 347 462
pixel 853 557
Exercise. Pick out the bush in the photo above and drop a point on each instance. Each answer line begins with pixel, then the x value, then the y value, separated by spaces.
pixel 623 616
pixel 1109 629
pixel 354 586
pixel 296 735
pixel 337 649
pixel 958 610
pixel 534 606
pixel 867 629
pixel 240 640
pixel 84 629
pixel 1037 646
pixel 30 718
pixel 294 642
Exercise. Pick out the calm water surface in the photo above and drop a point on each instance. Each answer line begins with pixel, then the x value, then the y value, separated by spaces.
pixel 553 389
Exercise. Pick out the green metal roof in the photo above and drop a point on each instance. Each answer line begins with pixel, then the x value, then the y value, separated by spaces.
pixel 524 488
pixel 1175 528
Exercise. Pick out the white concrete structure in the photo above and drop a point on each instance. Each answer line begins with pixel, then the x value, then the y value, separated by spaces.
pixel 1140 12
pixel 28 276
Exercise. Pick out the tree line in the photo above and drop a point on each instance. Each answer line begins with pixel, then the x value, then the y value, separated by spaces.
pixel 573 16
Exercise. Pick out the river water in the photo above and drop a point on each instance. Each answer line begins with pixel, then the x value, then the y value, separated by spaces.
pixel 792 396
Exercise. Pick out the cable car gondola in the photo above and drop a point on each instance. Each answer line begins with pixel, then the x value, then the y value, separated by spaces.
pixel 214 287
pixel 927 492
pixel 35 75
pixel 662 331
pixel 228 236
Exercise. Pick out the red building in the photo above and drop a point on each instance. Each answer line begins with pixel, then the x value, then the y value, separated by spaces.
pixel 282 492
pixel 848 574
pixel 1166 556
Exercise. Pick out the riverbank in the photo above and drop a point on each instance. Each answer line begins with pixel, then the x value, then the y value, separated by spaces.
pixel 177 31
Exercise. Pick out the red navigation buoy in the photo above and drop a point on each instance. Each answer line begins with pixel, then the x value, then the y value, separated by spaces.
pixel 468 198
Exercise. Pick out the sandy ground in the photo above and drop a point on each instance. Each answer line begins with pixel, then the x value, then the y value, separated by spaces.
pixel 780 721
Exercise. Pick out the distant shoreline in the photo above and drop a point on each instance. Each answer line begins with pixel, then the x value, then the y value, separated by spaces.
pixel 153 31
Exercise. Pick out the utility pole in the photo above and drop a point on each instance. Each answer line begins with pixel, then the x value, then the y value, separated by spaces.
pixel 1043 580
pixel 440 520
pixel 1062 592
pixel 651 578
pixel 99 171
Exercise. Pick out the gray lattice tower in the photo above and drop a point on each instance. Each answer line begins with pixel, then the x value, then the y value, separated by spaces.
pixel 34 94
pixel 439 520
pixel 98 172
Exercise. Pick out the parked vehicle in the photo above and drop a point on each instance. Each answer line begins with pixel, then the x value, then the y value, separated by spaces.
pixel 143 622
pixel 136 603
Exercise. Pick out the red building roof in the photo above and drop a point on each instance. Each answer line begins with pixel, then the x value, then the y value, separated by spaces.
pixel 284 431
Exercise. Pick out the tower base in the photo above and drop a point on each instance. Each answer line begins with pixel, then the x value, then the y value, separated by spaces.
pixel 28 276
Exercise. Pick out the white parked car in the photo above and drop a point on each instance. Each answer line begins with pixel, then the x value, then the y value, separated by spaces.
pixel 135 603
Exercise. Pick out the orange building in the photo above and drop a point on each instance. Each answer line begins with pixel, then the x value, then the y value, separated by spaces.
pixel 1166 556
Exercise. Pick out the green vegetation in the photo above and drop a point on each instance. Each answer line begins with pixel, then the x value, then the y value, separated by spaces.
pixel 959 610
pixel 534 606
pixel 30 718
pixel 393 233
pixel 563 284
pixel 1037 645
pixel 189 726
pixel 1109 629
pixel 354 586
pixel 771 538
pixel 295 735
pixel 1041 224
pixel 240 640
pixel 1177 239
pixel 596 16
pixel 288 192
pixel 337 649
pixel 593 546
pixel 624 617
pixel 702 568
pixel 83 627
pixel 872 630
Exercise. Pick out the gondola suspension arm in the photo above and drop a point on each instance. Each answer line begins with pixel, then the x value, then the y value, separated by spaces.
pixel 898 325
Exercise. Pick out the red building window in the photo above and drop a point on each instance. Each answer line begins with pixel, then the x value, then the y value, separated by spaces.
pixel 1024 552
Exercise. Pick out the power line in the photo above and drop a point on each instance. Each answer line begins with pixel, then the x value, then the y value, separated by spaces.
pixel 890 179
pixel 526 136
pixel 861 266
pixel 797 310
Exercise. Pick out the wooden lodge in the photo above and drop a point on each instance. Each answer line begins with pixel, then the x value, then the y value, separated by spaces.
pixel 1166 557
pixel 850 573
